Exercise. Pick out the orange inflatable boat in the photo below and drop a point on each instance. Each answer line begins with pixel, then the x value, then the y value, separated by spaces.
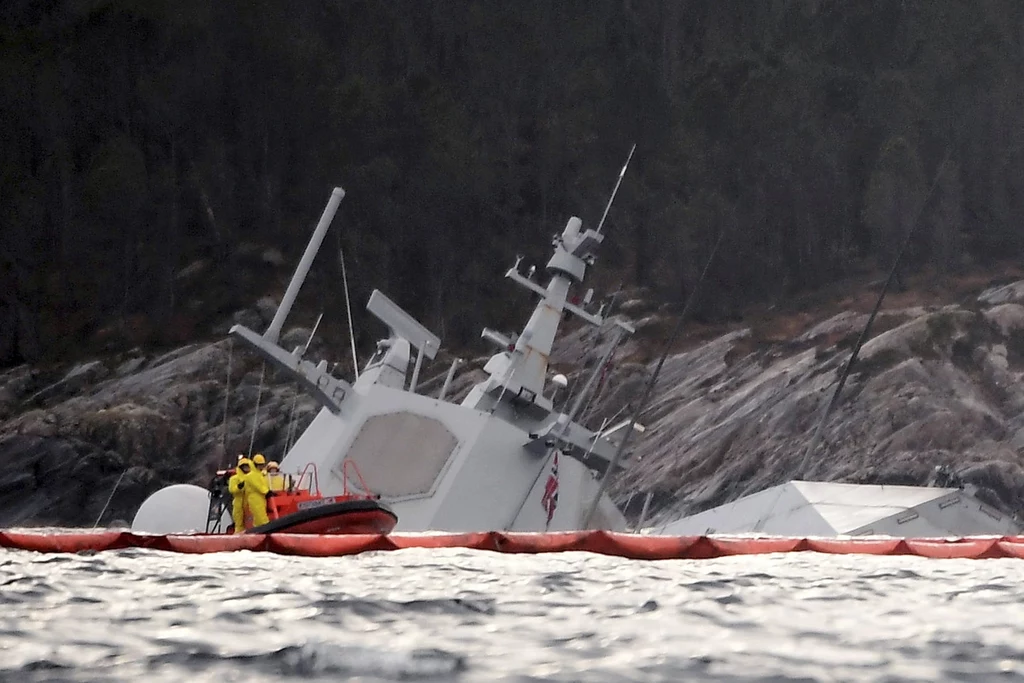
pixel 296 506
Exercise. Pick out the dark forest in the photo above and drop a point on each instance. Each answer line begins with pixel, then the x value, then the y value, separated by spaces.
pixel 141 136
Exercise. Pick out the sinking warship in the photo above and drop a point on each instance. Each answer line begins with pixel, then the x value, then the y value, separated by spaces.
pixel 504 458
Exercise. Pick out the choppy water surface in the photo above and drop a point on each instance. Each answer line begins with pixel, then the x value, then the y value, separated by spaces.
pixel 477 616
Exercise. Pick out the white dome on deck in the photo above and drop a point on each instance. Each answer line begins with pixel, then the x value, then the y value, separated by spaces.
pixel 180 508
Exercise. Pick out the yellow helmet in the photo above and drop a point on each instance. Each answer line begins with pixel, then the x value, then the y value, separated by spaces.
pixel 258 459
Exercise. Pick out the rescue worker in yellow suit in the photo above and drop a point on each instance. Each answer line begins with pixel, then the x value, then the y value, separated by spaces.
pixel 256 490
pixel 236 485
pixel 277 480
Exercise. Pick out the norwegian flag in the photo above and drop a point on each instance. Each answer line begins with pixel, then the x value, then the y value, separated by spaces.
pixel 549 501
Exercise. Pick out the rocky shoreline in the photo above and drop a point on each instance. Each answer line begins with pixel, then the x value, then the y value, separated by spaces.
pixel 936 385
pixel 142 424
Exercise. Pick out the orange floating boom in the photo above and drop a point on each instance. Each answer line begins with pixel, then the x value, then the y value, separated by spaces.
pixel 602 542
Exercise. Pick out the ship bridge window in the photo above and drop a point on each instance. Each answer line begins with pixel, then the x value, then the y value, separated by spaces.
pixel 401 454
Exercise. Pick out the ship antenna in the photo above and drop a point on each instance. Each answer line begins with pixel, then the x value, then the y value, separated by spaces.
pixel 616 189
pixel 348 309
pixel 690 301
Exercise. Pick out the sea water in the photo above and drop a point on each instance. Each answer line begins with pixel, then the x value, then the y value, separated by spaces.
pixel 469 615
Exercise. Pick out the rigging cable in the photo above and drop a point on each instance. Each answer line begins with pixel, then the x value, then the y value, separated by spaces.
pixel 818 430
pixel 871 318
pixel 690 301
pixel 595 344
pixel 602 382
pixel 110 498
pixel 291 421
pixel 348 309
pixel 256 415
pixel 227 394
pixel 290 433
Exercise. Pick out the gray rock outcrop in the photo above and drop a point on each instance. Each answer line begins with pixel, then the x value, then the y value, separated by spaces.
pixel 728 417
pixel 732 417
pixel 154 422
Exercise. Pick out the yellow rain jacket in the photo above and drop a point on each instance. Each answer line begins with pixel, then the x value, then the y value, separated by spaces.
pixel 236 485
pixel 256 489
pixel 276 479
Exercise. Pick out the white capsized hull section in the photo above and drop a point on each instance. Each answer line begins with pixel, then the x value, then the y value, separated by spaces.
pixel 813 508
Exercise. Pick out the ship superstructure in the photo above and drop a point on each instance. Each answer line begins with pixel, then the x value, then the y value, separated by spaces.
pixel 504 458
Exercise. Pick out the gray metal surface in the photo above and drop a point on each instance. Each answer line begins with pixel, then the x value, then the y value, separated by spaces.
pixel 805 508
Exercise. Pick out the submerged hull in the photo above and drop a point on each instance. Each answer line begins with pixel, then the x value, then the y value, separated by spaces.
pixel 827 509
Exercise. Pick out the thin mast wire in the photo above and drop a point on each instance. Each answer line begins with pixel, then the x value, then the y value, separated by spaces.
pixel 348 310
pixel 256 415
pixel 109 498
pixel 291 422
pixel 819 429
pixel 813 444
pixel 295 396
pixel 227 394
pixel 690 301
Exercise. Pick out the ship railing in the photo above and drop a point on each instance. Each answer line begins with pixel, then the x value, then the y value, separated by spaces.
pixel 309 479
pixel 348 465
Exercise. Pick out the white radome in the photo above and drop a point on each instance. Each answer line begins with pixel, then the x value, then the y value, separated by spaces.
pixel 181 508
